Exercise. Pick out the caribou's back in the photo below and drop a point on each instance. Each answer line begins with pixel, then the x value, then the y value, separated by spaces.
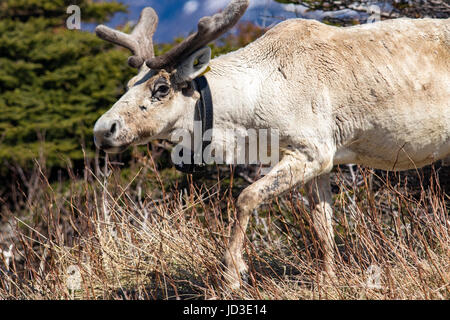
pixel 385 86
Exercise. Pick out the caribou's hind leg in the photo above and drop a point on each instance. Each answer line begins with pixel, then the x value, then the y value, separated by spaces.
pixel 292 170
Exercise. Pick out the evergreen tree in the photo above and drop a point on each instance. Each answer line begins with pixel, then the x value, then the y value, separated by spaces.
pixel 54 82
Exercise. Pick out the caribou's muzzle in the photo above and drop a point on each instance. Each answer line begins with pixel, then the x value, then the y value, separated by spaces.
pixel 106 135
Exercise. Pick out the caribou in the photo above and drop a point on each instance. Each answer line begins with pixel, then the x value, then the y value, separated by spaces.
pixel 376 95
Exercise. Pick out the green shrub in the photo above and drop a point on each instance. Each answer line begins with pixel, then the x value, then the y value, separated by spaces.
pixel 54 82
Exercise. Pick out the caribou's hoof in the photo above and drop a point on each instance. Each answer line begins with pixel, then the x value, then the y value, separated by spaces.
pixel 235 279
pixel 235 273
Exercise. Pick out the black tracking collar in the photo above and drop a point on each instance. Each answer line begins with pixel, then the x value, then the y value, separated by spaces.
pixel 204 114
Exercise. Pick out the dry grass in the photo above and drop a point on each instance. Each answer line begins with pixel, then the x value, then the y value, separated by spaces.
pixel 147 237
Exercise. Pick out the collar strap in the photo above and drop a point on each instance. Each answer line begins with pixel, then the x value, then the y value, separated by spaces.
pixel 203 113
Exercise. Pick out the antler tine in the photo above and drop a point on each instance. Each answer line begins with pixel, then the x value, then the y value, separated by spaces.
pixel 139 42
pixel 209 29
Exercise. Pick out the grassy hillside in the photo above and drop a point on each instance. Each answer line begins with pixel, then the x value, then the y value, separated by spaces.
pixel 156 234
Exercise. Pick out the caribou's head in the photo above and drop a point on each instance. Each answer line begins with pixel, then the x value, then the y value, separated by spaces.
pixel 163 89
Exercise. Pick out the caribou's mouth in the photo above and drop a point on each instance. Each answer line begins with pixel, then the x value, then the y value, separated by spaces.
pixel 114 150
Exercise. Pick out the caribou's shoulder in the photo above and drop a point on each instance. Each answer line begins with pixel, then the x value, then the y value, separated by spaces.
pixel 301 28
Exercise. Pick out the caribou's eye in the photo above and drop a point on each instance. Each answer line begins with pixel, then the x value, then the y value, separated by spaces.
pixel 160 90
pixel 163 89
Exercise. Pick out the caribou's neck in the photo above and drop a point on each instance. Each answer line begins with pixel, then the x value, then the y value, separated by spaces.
pixel 233 106
pixel 230 80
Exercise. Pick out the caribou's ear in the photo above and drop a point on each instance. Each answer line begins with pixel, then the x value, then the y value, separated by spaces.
pixel 194 65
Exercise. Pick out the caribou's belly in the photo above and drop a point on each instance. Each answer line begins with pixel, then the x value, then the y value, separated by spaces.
pixel 394 160
pixel 400 141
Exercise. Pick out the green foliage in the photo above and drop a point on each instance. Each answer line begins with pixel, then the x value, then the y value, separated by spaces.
pixel 54 82
pixel 55 10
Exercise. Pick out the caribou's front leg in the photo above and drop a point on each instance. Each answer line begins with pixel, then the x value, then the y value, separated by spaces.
pixel 289 172
pixel 320 198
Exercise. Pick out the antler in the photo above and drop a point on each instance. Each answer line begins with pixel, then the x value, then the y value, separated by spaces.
pixel 140 41
pixel 209 29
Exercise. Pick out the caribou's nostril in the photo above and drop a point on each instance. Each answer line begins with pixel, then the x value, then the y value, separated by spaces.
pixel 113 128
pixel 107 132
